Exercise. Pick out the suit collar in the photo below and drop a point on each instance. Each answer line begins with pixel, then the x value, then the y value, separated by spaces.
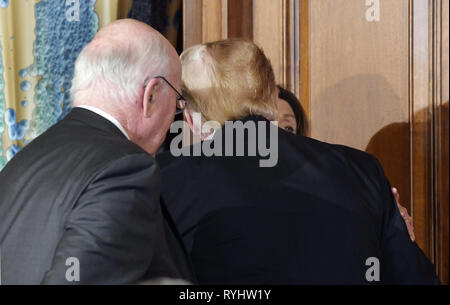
pixel 106 116
pixel 94 120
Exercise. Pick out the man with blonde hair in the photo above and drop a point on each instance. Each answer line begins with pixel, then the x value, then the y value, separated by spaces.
pixel 233 78
pixel 323 214
pixel 80 204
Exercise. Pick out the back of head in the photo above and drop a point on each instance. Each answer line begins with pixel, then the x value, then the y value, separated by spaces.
pixel 115 64
pixel 228 80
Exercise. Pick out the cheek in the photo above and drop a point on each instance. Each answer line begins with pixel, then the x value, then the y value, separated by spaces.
pixel 169 113
pixel 169 106
pixel 165 113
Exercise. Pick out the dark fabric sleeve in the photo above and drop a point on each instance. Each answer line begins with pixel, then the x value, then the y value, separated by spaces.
pixel 111 229
pixel 402 262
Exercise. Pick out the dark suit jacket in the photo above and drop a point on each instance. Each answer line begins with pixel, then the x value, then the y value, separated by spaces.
pixel 83 190
pixel 314 218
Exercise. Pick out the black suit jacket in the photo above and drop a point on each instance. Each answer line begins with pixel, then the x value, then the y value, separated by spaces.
pixel 317 217
pixel 83 190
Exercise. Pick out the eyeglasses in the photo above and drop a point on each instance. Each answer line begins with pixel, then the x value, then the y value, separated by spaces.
pixel 181 101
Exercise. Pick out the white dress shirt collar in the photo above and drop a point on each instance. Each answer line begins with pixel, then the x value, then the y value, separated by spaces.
pixel 106 116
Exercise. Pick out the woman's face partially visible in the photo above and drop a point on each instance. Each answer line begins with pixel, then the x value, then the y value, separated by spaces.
pixel 286 117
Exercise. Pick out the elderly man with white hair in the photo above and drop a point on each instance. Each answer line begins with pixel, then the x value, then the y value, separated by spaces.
pixel 80 204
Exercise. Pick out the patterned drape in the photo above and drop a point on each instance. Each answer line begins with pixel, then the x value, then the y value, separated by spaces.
pixel 39 42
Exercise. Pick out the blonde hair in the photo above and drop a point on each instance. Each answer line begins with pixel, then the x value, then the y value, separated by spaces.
pixel 228 80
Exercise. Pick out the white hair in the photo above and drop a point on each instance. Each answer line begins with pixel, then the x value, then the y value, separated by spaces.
pixel 118 70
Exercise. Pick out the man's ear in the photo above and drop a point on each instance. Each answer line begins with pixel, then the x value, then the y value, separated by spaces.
pixel 196 130
pixel 189 120
pixel 150 95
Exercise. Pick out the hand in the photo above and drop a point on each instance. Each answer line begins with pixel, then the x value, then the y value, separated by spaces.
pixel 404 212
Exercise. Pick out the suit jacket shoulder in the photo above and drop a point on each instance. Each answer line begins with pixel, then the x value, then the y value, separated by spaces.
pixel 62 186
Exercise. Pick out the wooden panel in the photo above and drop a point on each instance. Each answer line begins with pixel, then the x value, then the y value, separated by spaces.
pixel 383 87
pixel 358 81
pixel 304 58
pixel 441 89
pixel 207 20
pixel 421 130
pixel 273 25
pixel 276 29
pixel 291 48
pixel 268 25
pixel 214 17
pixel 192 23
pixel 240 19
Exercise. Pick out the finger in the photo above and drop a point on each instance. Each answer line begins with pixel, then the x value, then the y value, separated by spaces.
pixel 408 216
pixel 411 233
pixel 410 227
pixel 402 210
pixel 396 194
